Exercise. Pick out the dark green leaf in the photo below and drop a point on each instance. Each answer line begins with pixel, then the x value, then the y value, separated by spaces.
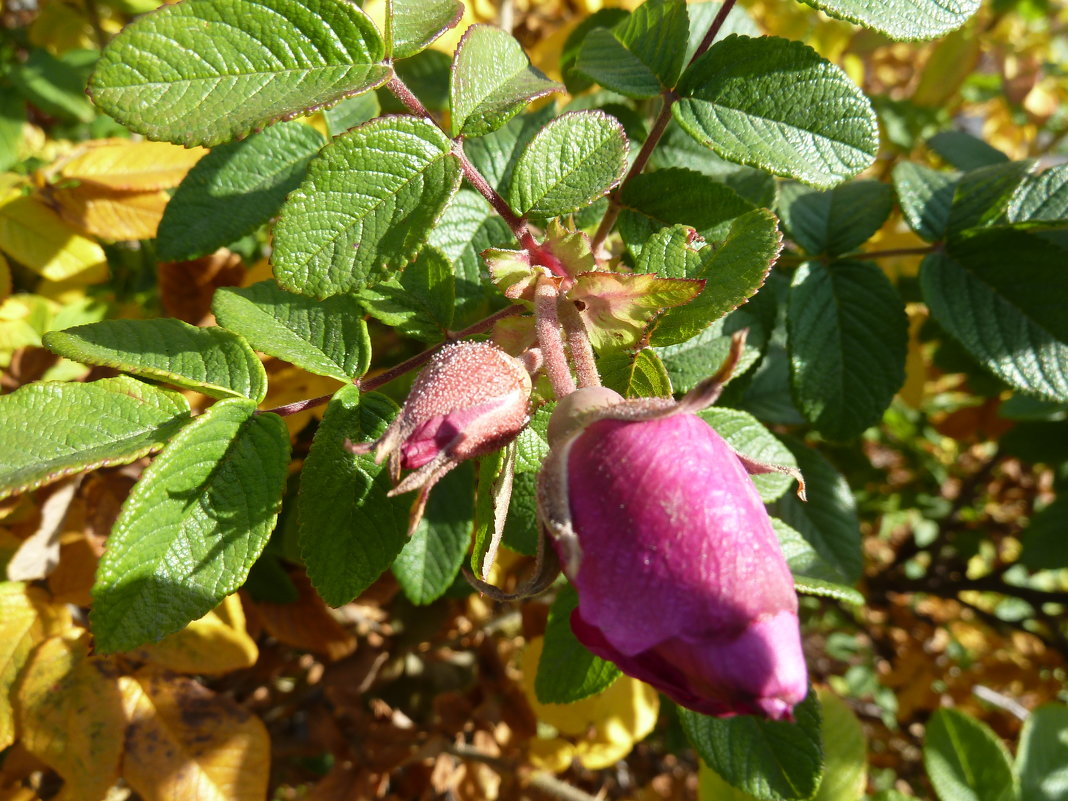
pixel 635 375
pixel 656 200
pixel 965 759
pixel 521 527
pixel 777 105
pixel 350 112
pixel 496 154
pixel 835 221
pixel 732 270
pixel 1042 761
pixel 532 444
pixel 235 189
pixel 365 207
pixel 747 436
pixel 323 337
pixel 1042 197
pixel 813 575
pixel 925 196
pixel 603 18
pixel 981 195
pixel 572 161
pixel 678 149
pixel 772 760
pixel 848 340
pixel 349 530
pixel 640 56
pixel 492 81
pixel 1045 540
pixel 52 429
pixel 192 527
pixel 210 360
pixel 964 151
pixel 828 521
pixel 902 19
pixel 1002 295
pixel 691 362
pixel 567 672
pixel 414 24
pixel 203 72
pixel 430 561
pixel 420 303
pixel 56 84
pixel 12 121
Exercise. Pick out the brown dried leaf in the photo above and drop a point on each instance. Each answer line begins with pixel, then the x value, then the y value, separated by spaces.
pixel 185 742
pixel 69 714
pixel 73 577
pixel 187 287
pixel 306 623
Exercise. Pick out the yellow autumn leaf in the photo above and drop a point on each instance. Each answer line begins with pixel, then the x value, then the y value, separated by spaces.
pixel 61 26
pixel 604 727
pixel 102 212
pixel 34 235
pixel 26 618
pixel 216 643
pixel 129 166
pixel 5 279
pixel 912 392
pixel 69 715
pixel 288 384
pixel 186 742
pixel 951 61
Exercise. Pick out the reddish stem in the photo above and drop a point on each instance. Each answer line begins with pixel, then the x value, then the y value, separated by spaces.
pixel 578 344
pixel 547 326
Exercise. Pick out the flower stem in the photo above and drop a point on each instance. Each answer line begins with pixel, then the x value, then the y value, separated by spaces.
pixel 547 326
pixel 578 344
pixel 667 98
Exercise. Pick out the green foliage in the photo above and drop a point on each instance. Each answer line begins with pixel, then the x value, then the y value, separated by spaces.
pixel 193 526
pixel 902 19
pixel 965 759
pixel 420 303
pixel 214 361
pixel 747 436
pixel 567 672
pixel 1041 762
pixel 635 375
pixel 837 221
pixel 414 24
pixel 155 79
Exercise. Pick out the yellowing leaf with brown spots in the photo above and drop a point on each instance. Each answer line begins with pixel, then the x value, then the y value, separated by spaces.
pixel 25 619
pixel 185 742
pixel 69 715
pixel 102 212
pixel 125 165
pixel 34 235
pixel 216 643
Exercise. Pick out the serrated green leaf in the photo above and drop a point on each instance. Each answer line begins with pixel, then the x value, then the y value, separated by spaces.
pixel 655 200
pixel 635 375
pixel 848 340
pixel 56 84
pixel 772 760
pixel 192 527
pixel 813 575
pixel 567 672
pixel 209 360
pixel 903 20
pixel 466 228
pixel 414 24
pixel 835 221
pixel 828 521
pixel 350 112
pixel 492 81
pixel 324 337
pixel 1041 766
pixel 234 190
pixel 575 159
pixel 747 436
pixel 366 206
pixel 532 444
pixel 926 196
pixel 776 104
pixel 1041 198
pixel 640 56
pixel 521 526
pixel 1002 295
pixel 981 195
pixel 964 151
pixel 602 18
pixel 732 270
pixel 496 154
pixel 965 759
pixel 430 561
pixel 420 303
pixel 349 530
pixel 53 429
pixel 678 149
pixel 691 362
pixel 203 72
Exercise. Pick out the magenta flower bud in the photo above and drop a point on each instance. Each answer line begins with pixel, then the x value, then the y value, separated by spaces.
pixel 680 578
pixel 471 399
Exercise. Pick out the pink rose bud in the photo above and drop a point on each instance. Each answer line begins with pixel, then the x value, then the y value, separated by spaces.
pixel 680 578
pixel 471 399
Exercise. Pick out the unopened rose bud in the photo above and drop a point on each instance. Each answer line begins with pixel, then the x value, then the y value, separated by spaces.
pixel 471 399
pixel 680 577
